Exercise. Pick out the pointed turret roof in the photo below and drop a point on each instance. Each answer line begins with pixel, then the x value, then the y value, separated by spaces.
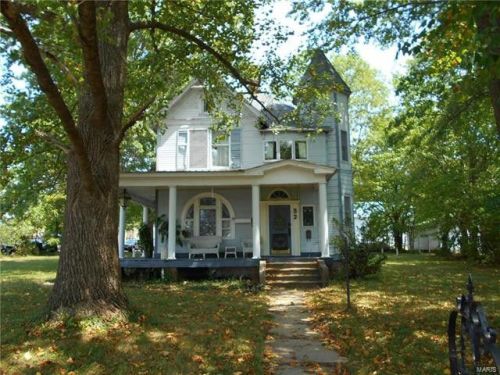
pixel 320 69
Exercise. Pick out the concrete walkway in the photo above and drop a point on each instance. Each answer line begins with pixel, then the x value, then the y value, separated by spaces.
pixel 296 347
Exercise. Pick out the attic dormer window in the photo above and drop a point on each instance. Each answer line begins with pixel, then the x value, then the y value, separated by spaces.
pixel 206 106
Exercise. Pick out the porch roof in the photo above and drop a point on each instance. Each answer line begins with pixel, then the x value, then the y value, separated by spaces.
pixel 272 173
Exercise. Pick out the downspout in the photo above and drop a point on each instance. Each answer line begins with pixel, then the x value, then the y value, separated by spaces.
pixel 339 174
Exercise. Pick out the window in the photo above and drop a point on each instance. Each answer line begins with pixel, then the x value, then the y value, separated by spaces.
pixel 270 150
pixel 286 150
pixel 208 217
pixel 206 106
pixel 279 194
pixel 344 145
pixel 347 210
pixel 220 149
pixel 182 141
pixel 208 214
pixel 198 149
pixel 308 216
pixel 300 150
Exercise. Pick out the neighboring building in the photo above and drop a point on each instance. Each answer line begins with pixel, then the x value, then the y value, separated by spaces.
pixel 427 240
pixel 280 192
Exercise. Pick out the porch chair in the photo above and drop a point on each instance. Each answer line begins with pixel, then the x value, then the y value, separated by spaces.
pixel 247 247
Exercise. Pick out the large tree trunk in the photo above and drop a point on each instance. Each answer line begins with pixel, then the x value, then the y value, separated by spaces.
pixel 89 277
pixel 488 26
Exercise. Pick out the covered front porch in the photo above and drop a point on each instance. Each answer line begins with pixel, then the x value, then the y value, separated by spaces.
pixel 239 216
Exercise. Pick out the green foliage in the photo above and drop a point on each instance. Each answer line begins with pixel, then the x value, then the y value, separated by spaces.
pixel 146 240
pixel 362 260
pixel 162 225
pixel 433 161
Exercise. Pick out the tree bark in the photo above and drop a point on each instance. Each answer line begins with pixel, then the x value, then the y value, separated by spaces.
pixel 488 27
pixel 89 277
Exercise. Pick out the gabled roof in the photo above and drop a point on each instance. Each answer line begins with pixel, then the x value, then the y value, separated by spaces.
pixel 197 84
pixel 315 168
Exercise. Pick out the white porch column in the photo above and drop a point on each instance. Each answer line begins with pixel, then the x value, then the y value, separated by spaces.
pixel 323 220
pixel 256 220
pixel 121 229
pixel 145 217
pixel 172 208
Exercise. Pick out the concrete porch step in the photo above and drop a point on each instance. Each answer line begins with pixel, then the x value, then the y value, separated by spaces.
pixel 295 277
pixel 292 265
pixel 298 270
pixel 293 284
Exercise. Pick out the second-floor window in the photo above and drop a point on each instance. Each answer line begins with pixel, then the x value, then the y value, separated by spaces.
pixel 220 149
pixel 285 149
pixel 344 144
pixel 182 142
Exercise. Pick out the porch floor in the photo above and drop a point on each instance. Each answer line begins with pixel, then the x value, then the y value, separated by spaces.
pixel 189 263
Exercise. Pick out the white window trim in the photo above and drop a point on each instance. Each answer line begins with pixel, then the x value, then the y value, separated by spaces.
pixel 274 191
pixel 218 167
pixel 307 149
pixel 264 150
pixel 302 215
pixel 177 150
pixel 195 201
pixel 278 149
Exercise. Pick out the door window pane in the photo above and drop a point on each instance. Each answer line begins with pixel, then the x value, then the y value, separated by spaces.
pixel 300 150
pixel 308 216
pixel 208 225
pixel 270 150
pixel 286 150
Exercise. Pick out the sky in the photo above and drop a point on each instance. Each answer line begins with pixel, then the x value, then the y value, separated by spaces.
pixel 383 60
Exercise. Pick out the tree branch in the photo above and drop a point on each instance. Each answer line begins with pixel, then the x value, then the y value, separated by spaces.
pixel 249 85
pixel 63 67
pixel 136 116
pixel 193 39
pixel 33 57
pixel 53 140
pixel 87 29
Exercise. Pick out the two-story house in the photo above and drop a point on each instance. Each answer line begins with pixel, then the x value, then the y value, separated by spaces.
pixel 282 194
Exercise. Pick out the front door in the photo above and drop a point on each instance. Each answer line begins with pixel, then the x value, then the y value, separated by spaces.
pixel 280 231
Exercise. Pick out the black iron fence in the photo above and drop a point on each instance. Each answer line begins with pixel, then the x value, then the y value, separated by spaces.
pixel 476 352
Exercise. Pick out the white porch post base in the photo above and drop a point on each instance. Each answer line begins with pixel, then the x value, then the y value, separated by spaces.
pixel 172 208
pixel 121 231
pixel 256 221
pixel 323 220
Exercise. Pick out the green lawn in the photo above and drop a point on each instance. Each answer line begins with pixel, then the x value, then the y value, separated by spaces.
pixel 399 321
pixel 184 328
